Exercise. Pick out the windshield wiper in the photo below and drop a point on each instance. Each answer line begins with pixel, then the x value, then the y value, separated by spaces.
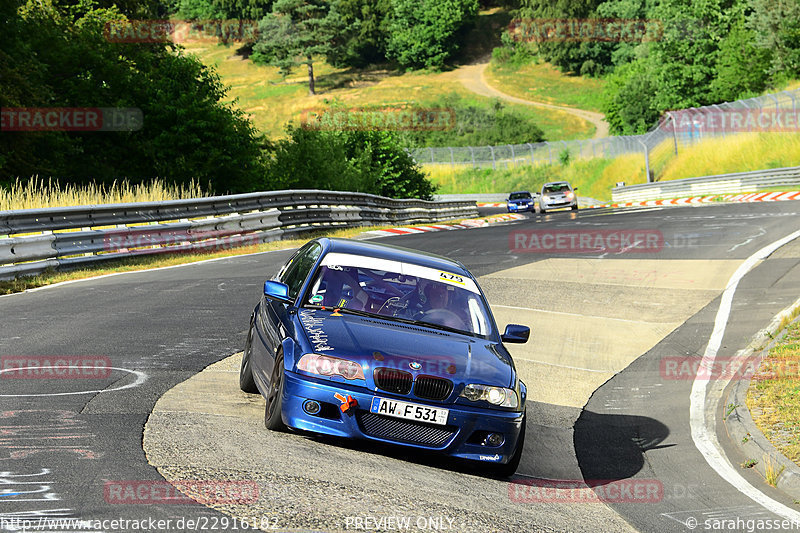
pixel 345 310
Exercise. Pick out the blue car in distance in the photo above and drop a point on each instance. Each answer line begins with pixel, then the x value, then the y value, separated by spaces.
pixel 360 340
pixel 520 201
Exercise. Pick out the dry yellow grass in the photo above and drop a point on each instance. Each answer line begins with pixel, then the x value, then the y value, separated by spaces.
pixel 271 101
pixel 542 82
pixel 741 153
pixel 774 395
pixel 37 193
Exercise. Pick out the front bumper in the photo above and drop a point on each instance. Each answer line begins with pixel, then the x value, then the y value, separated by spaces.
pixel 559 205
pixel 513 208
pixel 459 438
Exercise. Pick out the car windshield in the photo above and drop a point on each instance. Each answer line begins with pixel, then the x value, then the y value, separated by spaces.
pixel 520 196
pixel 559 187
pixel 400 291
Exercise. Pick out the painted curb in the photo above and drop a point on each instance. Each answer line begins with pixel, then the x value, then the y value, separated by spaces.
pixel 466 224
pixel 728 198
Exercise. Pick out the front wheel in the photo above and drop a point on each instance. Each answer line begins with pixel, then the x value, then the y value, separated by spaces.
pixel 246 381
pixel 574 207
pixel 508 469
pixel 272 411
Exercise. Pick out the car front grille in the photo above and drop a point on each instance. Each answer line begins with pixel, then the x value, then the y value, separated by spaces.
pixel 405 431
pixel 392 380
pixel 432 388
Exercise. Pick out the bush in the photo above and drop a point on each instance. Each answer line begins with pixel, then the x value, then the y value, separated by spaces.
pixel 477 125
pixel 361 161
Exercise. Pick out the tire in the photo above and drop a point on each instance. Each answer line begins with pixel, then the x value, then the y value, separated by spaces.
pixel 507 470
pixel 246 381
pixel 272 411
pixel 574 207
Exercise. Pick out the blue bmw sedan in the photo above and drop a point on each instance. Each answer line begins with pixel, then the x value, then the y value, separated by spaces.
pixel 368 341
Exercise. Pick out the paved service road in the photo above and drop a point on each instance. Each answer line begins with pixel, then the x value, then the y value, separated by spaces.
pixel 597 409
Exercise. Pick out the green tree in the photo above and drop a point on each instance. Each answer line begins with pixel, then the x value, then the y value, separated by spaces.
pixel 776 24
pixel 629 97
pixel 365 41
pixel 742 68
pixel 187 133
pixel 222 9
pixel 363 161
pixel 296 32
pixel 424 33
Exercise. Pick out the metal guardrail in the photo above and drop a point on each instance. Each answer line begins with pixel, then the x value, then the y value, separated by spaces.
pixel 73 237
pixel 721 184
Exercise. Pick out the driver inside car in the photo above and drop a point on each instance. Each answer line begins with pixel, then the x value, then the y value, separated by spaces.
pixel 439 306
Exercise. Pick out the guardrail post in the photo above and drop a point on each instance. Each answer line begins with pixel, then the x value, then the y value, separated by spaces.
pixel 431 149
pixel 452 159
pixel 513 158
pixel 494 165
pixel 472 154
pixel 530 146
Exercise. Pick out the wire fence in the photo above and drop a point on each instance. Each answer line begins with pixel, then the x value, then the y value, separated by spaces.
pixel 776 112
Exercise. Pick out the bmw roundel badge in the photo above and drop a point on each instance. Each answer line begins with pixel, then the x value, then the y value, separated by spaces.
pixel 414 365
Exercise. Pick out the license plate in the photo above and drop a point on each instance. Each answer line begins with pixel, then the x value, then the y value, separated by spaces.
pixel 409 411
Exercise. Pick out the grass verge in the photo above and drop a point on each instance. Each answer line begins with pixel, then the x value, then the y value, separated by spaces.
pixel 593 177
pixel 596 177
pixel 774 395
pixel 542 82
pixel 37 193
pixel 740 153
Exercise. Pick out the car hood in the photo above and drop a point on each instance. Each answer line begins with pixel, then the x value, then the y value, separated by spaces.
pixel 521 201
pixel 374 342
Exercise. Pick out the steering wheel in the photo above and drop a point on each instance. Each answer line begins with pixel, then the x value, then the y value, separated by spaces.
pixel 444 317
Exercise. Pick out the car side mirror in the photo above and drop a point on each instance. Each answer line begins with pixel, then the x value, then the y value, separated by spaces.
pixel 275 290
pixel 516 334
pixel 575 189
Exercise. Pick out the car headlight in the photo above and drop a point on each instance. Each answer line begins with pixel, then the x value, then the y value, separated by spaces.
pixel 546 198
pixel 570 195
pixel 325 365
pixel 499 396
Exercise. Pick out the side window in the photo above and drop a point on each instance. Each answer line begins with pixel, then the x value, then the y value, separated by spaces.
pixel 296 271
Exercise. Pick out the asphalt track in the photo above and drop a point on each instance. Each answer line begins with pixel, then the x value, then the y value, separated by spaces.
pixel 599 409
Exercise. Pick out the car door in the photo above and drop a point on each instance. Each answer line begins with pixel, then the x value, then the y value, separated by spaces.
pixel 273 322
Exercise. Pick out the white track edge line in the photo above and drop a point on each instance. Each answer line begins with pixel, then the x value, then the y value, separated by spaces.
pixel 704 436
